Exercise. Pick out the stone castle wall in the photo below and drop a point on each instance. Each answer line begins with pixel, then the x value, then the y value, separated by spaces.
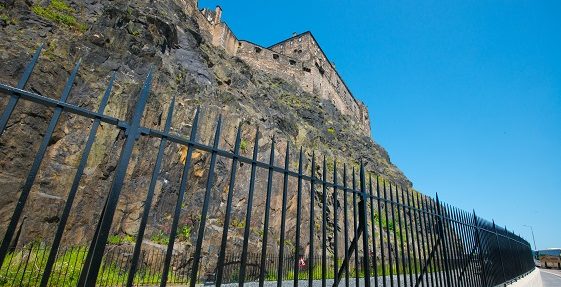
pixel 299 58
pixel 326 81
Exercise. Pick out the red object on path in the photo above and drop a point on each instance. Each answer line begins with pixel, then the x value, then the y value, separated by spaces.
pixel 301 262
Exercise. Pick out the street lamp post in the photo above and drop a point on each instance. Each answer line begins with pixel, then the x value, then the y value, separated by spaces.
pixel 533 238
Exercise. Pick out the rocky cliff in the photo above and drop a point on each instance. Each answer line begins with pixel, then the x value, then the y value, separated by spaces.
pixel 129 37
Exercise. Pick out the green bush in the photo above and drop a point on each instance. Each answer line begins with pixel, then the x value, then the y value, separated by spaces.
pixel 120 239
pixel 59 12
pixel 160 238
pixel 185 233
pixel 243 145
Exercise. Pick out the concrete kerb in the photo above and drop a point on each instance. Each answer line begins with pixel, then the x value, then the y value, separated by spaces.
pixel 530 279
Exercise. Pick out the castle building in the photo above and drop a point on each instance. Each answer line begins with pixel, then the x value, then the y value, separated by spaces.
pixel 298 58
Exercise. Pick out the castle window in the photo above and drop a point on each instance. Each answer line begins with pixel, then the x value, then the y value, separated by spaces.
pixel 299 39
pixel 275 56
pixel 257 50
pixel 292 62
pixel 306 69
pixel 282 47
pixel 291 43
pixel 320 69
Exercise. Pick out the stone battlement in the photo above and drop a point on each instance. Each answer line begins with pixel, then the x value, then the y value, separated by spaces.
pixel 298 58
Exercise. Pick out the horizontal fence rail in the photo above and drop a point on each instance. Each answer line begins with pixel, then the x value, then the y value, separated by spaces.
pixel 350 227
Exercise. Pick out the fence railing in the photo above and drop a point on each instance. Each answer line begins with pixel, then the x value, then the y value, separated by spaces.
pixel 383 234
pixel 23 267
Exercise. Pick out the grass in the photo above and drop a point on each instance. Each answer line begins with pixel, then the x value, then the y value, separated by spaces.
pixel 59 12
pixel 25 268
pixel 160 238
pixel 184 233
pixel 237 223
pixel 119 239
pixel 244 145
pixel 7 19
pixel 330 272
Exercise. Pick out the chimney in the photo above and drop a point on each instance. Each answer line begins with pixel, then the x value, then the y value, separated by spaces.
pixel 217 14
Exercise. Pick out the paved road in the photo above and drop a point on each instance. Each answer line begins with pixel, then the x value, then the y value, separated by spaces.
pixel 551 277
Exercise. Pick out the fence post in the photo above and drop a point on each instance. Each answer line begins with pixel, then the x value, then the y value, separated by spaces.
pixel 132 133
pixel 500 252
pixel 364 219
pixel 479 254
pixel 444 245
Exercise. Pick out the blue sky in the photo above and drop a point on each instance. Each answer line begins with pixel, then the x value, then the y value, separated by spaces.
pixel 464 95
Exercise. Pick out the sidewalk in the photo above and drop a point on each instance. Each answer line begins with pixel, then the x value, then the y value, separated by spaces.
pixel 533 279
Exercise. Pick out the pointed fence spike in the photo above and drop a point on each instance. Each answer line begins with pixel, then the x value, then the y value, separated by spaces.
pixel 9 109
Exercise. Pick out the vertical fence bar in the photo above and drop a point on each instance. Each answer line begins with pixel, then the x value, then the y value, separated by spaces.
pixel 204 212
pixel 312 204
pixel 324 225
pixel 9 109
pixel 457 242
pixel 335 219
pixel 132 134
pixel 25 265
pixel 398 204
pixel 430 239
pixel 180 197
pixel 452 230
pixel 441 259
pixel 75 184
pixel 228 213
pixel 267 210
pixel 248 210
pixel 471 235
pixel 88 258
pixel 480 251
pixel 298 219
pixel 149 197
pixel 464 246
pixel 423 246
pixel 346 224
pixel 500 252
pixel 26 189
pixel 388 235
pixel 396 246
pixel 364 219
pixel 373 227
pixel 381 230
pixel 466 242
pixel 407 209
pixel 414 237
pixel 355 230
pixel 436 240
pixel 469 258
pixel 280 270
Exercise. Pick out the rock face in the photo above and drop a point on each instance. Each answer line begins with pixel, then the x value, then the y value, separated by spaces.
pixel 129 37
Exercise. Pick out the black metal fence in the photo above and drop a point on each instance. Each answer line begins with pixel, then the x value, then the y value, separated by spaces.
pixel 382 234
